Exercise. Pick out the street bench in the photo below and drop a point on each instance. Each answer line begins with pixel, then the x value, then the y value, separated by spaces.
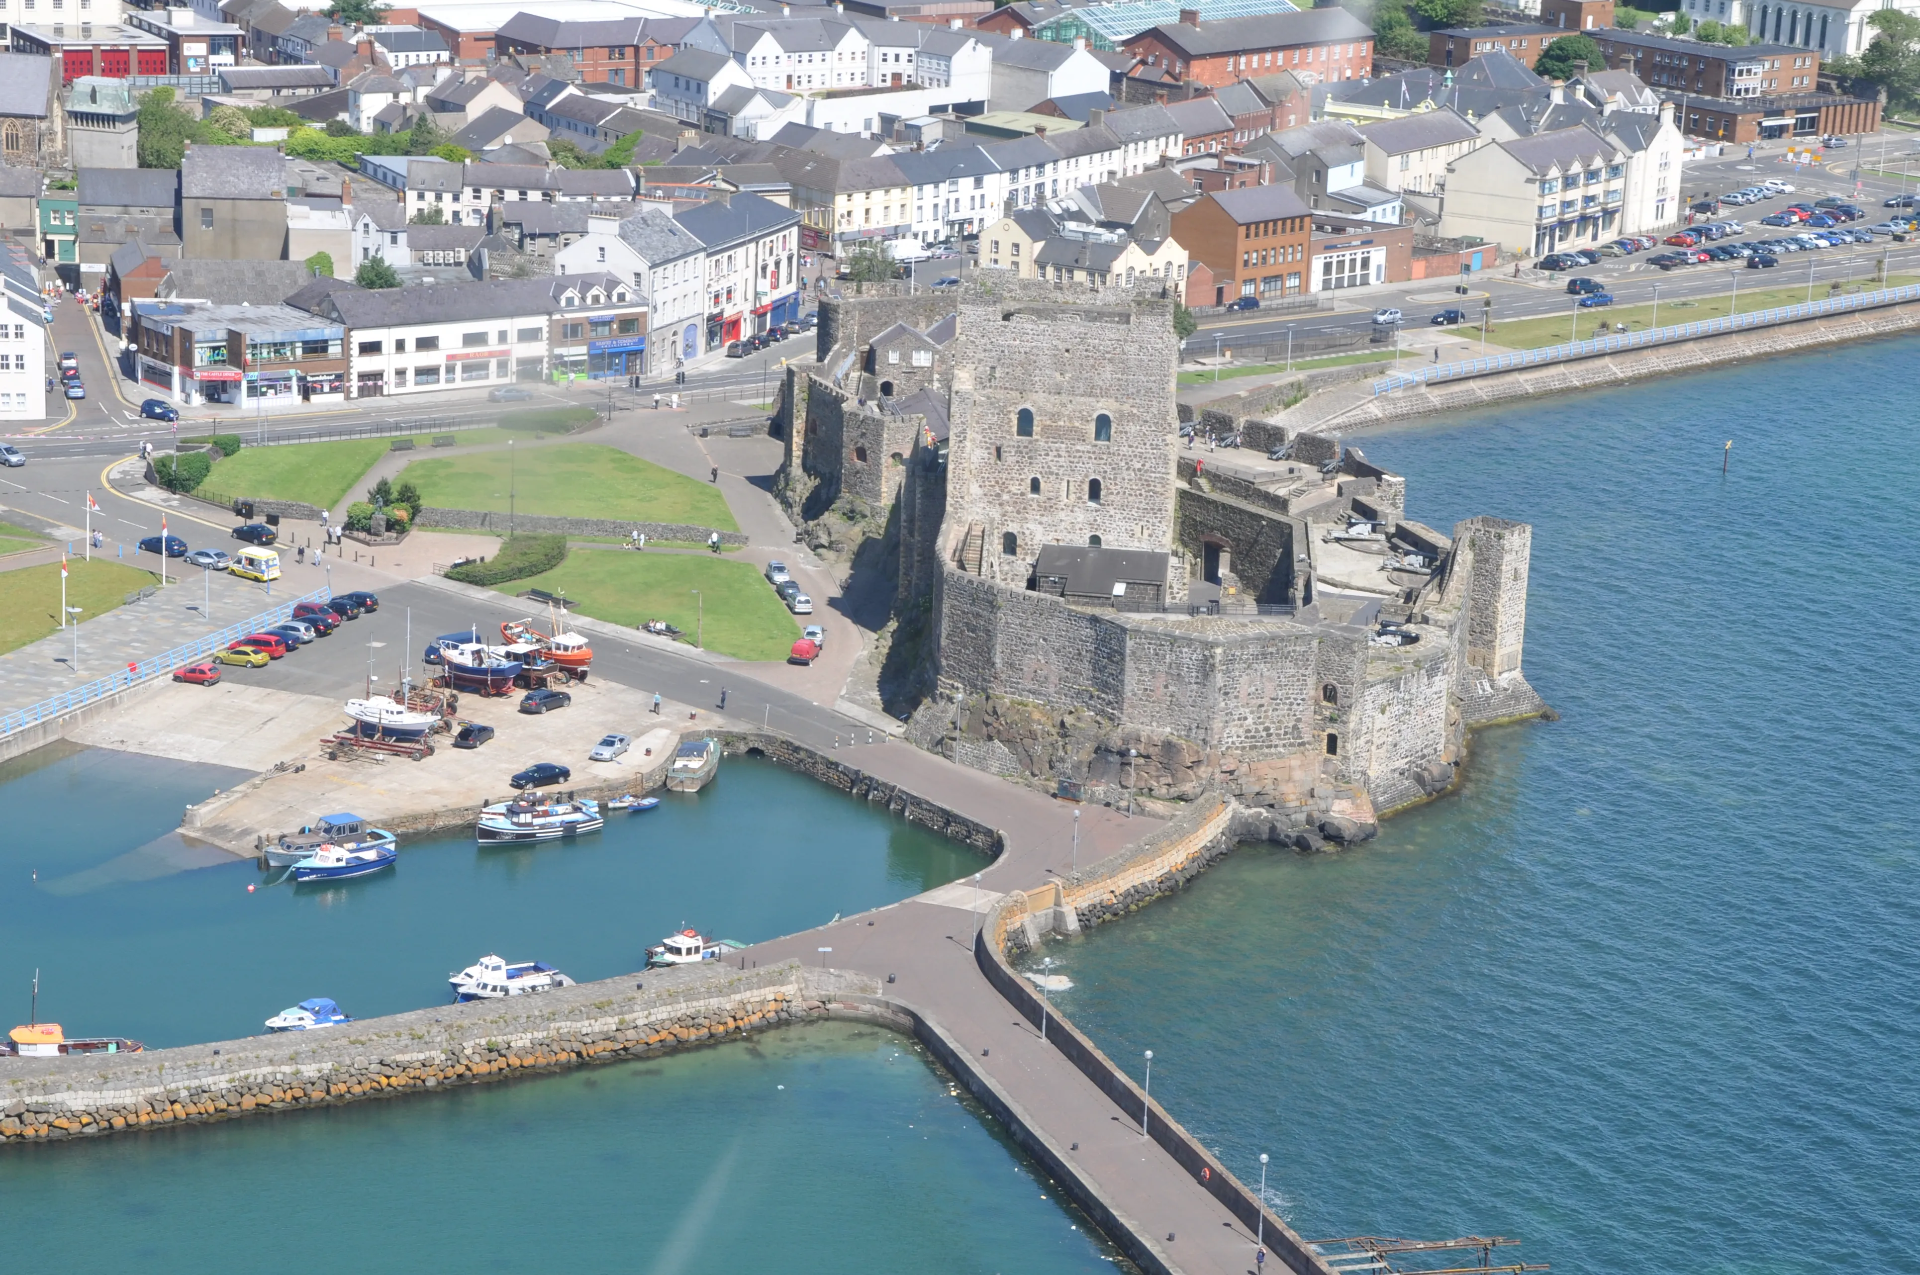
pixel 402 445
pixel 444 440
pixel 541 595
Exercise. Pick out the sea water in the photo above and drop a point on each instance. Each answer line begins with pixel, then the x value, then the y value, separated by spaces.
pixel 1646 991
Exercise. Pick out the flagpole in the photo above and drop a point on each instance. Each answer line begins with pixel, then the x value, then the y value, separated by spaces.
pixel 163 551
pixel 63 590
pixel 89 549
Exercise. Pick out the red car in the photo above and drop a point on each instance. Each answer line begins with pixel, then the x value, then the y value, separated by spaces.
pixel 268 642
pixel 322 620
pixel 805 651
pixel 1697 256
pixel 1683 239
pixel 202 674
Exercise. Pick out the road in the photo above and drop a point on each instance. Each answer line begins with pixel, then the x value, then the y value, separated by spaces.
pixel 1630 279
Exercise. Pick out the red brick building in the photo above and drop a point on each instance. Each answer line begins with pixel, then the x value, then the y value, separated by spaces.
pixel 616 51
pixel 1315 45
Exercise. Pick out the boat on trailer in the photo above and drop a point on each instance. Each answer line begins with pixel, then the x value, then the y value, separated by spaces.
pixel 475 666
pixel 569 650
pixel 491 978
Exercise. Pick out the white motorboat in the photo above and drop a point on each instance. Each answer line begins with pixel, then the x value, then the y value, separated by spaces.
pixel 346 831
pixel 390 719
pixel 695 763
pixel 689 948
pixel 331 863
pixel 490 978
pixel 308 1015
pixel 537 819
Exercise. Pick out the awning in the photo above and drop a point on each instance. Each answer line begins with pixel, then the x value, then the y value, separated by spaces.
pixel 762 309
pixel 216 374
pixel 477 354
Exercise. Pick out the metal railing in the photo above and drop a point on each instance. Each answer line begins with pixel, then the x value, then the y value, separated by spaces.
pixel 139 671
pixel 1650 337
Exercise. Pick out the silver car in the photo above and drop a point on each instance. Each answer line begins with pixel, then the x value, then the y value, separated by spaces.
pixel 777 573
pixel 10 456
pixel 610 748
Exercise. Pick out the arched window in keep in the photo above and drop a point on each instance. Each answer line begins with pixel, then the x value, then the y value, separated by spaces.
pixel 1093 491
pixel 1033 486
pixel 1009 544
pixel 1093 542
pixel 1103 428
pixel 1023 423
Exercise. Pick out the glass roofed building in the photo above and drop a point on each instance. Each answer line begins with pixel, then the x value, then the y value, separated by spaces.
pixel 1107 26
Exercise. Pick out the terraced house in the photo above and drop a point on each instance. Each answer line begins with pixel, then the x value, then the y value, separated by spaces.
pixel 1316 45
pixel 1567 188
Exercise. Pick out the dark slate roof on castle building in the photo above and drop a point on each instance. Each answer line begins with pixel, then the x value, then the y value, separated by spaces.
pixel 1089 571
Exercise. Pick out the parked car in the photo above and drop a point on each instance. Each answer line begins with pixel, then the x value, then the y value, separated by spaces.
pixel 1666 260
pixel 1447 318
pixel 540 774
pixel 1581 286
pixel 1762 261
pixel 272 643
pixel 204 673
pixel 805 651
pixel 472 735
pixel 1683 239
pixel 68 359
pixel 1777 186
pixel 610 747
pixel 947 281
pixel 786 589
pixel 816 635
pixel 1899 201
pixel 10 456
pixel 209 559
pixel 154 409
pixel 1554 261
pixel 739 349
pixel 509 394
pixel 321 621
pixel 297 631
pixel 776 572
pixel 800 604
pixel 1613 250
pixel 76 390
pixel 256 533
pixel 541 700
pixel 1820 221
pixel 176 547
pixel 245 656
pixel 1594 299
pixel 1387 315
pixel 1244 303
pixel 345 608
pixel 364 600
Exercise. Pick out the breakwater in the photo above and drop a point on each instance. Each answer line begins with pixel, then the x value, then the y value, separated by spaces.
pixel 50 1099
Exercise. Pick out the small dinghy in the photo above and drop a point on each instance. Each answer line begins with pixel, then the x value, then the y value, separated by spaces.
pixel 307 1016
pixel 633 803
pixel 490 978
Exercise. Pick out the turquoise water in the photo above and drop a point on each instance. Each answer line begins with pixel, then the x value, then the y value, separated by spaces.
pixel 1645 993
pixel 827 1149
pixel 129 945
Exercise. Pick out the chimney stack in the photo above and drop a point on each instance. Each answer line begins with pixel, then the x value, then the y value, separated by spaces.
pixel 1190 17
pixel 1095 117
pixel 336 31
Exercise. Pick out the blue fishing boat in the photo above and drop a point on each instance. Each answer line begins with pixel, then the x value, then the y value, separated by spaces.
pixel 633 804
pixel 348 831
pixel 308 1015
pixel 475 666
pixel 538 819
pixel 333 863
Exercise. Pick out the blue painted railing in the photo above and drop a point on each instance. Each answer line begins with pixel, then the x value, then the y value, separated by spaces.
pixel 1638 340
pixel 161 665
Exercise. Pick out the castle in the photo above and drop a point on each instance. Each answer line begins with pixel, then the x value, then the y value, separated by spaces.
pixel 1107 604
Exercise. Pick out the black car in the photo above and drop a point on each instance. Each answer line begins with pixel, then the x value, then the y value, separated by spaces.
pixel 176 547
pixel 1447 318
pixel 1580 287
pixel 367 601
pixel 1244 303
pixel 1762 261
pixel 472 735
pixel 345 608
pixel 256 533
pixel 322 620
pixel 739 349
pixel 540 774
pixel 542 700
pixel 156 410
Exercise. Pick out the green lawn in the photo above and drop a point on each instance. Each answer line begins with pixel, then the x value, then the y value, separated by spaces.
pixel 30 597
pixel 576 480
pixel 1527 334
pixel 1299 365
pixel 18 539
pixel 744 617
pixel 318 473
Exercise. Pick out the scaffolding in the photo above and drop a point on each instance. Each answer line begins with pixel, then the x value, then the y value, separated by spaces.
pixel 1380 1255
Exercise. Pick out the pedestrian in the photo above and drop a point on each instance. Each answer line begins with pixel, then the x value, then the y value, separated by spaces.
pixel 656 701
pixel 300 554
pixel 656 400
pixel 643 540
pixel 676 400
pixel 713 475
pixel 713 541
pixel 723 697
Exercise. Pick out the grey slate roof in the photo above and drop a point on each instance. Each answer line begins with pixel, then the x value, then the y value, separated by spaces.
pixel 602 182
pixel 443 238
pixel 1260 203
pixel 275 77
pixel 334 53
pixel 743 216
pixel 1029 55
pixel 494 123
pixel 1418 132
pixel 310 27
pixel 658 238
pixel 129 187
pixel 234 282
pixel 129 257
pixel 1566 148
pixel 1092 572
pixel 1240 98
pixel 1079 253
pixel 925 168
pixel 20 182
pixel 411 41
pixel 442 303
pixel 456 93
pixel 1200 117
pixel 557 33
pixel 693 64
pixel 1141 123
pixel 232 172
pixel 1078 106
pixel 1263 31
pixel 927 402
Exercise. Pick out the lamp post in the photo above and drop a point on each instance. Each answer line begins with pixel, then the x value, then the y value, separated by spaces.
pixel 1131 755
pixel 1076 841
pixel 1735 303
pixel 1810 257
pixel 1146 1101
pixel 73 622
pixel 1217 338
pixel 1260 1225
pixel 699 617
pixel 1656 306
pixel 512 472
pixel 1289 347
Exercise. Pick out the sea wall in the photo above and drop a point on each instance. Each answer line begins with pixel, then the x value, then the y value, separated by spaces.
pixel 50 1099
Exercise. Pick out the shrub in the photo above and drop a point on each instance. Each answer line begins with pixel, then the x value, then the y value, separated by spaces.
pixel 407 494
pixel 399 515
pixel 359 516
pixel 227 443
pixel 183 472
pixel 519 557
pixel 381 493
pixel 550 420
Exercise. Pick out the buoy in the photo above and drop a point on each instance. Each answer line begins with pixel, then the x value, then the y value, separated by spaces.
pixel 249 889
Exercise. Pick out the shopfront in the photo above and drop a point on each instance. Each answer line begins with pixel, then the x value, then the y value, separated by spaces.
pixel 617 356
pixel 213 385
pixel 273 387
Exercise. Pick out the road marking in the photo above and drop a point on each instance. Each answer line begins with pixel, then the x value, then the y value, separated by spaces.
pixel 141 525
pixel 53 497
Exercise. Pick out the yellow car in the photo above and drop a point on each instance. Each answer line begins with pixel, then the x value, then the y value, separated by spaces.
pixel 250 656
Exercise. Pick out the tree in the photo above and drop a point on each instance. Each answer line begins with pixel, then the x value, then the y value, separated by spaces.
pixel 424 135
pixel 359 13
pixel 567 155
pixel 1449 13
pixel 1625 19
pixel 1681 23
pixel 340 128
pixel 320 265
pixel 232 121
pixel 620 154
pixel 272 117
pixel 374 272
pixel 451 153
pixel 407 494
pixel 1184 324
pixel 432 216
pixel 381 493
pixel 868 262
pixel 164 129
pixel 1892 61
pixel 1556 61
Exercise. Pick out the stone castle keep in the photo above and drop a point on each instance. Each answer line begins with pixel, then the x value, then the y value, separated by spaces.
pixel 1100 602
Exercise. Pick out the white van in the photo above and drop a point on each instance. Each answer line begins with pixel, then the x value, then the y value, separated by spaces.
pixel 907 250
pixel 255 563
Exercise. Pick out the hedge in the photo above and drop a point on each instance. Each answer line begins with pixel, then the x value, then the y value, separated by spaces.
pixel 550 420
pixel 519 557
pixel 227 443
pixel 183 472
pixel 359 516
